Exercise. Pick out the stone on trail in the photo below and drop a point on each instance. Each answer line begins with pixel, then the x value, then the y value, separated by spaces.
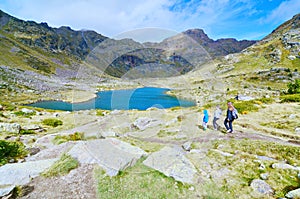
pixel 21 173
pixel 293 194
pixel 172 163
pixel 187 146
pixel 111 154
pixel 27 111
pixel 261 187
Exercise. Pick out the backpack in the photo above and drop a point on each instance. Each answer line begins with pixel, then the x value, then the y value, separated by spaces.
pixel 235 114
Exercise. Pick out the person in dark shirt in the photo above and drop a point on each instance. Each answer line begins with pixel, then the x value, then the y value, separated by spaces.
pixel 230 117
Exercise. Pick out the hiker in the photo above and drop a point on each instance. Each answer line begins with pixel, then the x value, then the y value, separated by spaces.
pixel 230 117
pixel 217 115
pixel 205 119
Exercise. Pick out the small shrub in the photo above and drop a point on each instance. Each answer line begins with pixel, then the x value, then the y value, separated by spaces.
pixel 101 113
pixel 26 132
pixel 294 88
pixel 52 122
pixel 63 166
pixel 11 150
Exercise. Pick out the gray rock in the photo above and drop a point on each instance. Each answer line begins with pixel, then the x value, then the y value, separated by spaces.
pixel 10 127
pixel 264 176
pixel 109 134
pixel 111 154
pixel 26 110
pixel 293 194
pixel 291 57
pixel 222 153
pixel 284 166
pixel 261 187
pixel 6 190
pixel 32 127
pixel 297 130
pixel 172 163
pixel 264 158
pixel 298 176
pixel 55 115
pixel 1 107
pixel 292 116
pixel 144 123
pixel 245 98
pixel 21 173
pixel 187 146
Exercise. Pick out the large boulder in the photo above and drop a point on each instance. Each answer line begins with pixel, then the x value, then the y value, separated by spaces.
pixel 293 194
pixel 10 127
pixel 21 173
pixel 261 187
pixel 145 122
pixel 27 111
pixel 172 162
pixel 111 154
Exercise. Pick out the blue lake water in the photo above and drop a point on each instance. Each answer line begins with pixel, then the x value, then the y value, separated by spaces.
pixel 140 99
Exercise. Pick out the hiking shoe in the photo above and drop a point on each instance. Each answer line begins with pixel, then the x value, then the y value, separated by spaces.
pixel 228 131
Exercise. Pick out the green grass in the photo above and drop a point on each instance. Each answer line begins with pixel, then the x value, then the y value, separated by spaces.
pixel 140 181
pixel 290 98
pixel 61 167
pixel 59 139
pixel 146 146
pixel 164 133
pixel 22 114
pixel 286 125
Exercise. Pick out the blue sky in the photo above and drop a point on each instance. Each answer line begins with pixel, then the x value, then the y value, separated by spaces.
pixel 241 19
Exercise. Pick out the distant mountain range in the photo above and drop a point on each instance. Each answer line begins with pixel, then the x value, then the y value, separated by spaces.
pixel 27 44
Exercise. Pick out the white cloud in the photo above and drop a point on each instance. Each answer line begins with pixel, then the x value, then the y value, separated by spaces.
pixel 216 17
pixel 283 12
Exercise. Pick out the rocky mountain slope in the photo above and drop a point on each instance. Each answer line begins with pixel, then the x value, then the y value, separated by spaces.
pixel 62 46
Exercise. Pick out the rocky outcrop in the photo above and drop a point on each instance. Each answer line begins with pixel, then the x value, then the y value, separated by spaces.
pixel 10 127
pixel 111 154
pixel 172 163
pixel 220 47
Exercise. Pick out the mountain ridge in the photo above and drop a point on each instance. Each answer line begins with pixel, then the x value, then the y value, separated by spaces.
pixel 64 41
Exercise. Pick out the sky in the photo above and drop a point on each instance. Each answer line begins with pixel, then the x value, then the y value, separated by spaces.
pixel 240 19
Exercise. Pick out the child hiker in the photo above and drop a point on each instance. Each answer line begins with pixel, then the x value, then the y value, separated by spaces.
pixel 217 115
pixel 205 119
